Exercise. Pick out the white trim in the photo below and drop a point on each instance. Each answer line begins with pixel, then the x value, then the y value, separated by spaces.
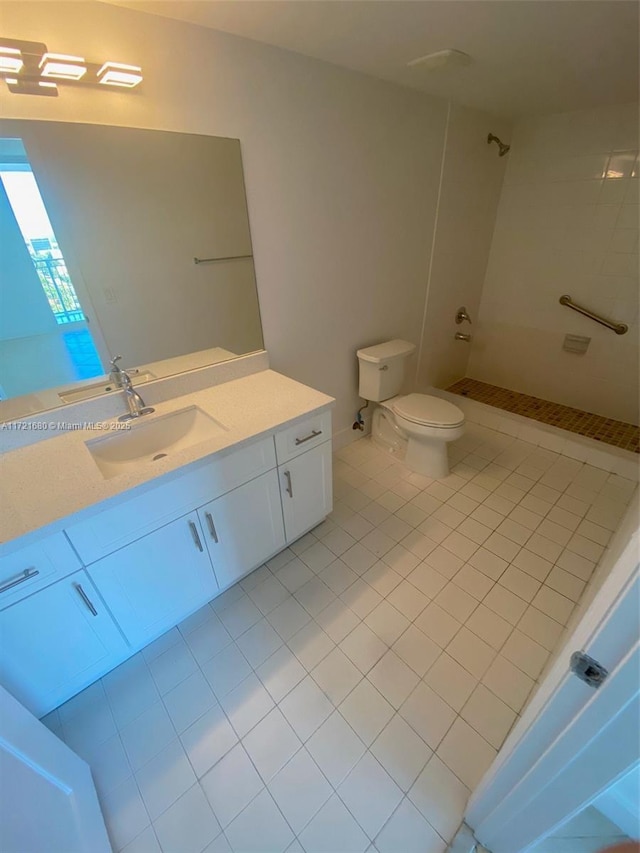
pixel 614 805
pixel 597 749
pixel 47 768
pixel 434 236
pixel 346 436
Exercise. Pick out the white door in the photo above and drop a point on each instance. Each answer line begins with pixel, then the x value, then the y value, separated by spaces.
pixel 153 583
pixel 574 740
pixel 306 489
pixel 56 642
pixel 243 528
pixel 48 802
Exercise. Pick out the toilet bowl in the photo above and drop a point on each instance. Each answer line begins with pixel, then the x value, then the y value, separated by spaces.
pixel 429 424
pixel 414 427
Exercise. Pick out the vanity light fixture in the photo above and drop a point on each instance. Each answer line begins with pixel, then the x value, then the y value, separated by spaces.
pixel 31 87
pixel 10 60
pixel 62 66
pixel 29 68
pixel 118 74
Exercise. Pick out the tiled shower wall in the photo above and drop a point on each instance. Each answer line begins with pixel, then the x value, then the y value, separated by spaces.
pixel 567 223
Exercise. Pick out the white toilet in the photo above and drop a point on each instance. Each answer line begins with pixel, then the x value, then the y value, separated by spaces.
pixel 416 427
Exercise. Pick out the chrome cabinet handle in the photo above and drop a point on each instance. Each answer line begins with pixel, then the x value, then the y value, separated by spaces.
pixel 22 577
pixel 314 434
pixel 289 488
pixel 83 595
pixel 211 526
pixel 196 535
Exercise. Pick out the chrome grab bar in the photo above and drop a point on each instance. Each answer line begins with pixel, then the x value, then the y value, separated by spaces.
pixel 227 258
pixel 618 328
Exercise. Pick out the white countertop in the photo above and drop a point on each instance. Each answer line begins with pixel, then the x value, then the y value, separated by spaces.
pixel 50 480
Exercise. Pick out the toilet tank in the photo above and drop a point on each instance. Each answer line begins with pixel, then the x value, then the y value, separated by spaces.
pixel 382 369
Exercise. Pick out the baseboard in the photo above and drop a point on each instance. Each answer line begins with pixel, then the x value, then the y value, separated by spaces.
pixel 620 812
pixel 346 436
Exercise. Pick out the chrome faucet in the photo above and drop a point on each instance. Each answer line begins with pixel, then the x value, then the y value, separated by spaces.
pixel 115 374
pixel 135 403
pixel 462 315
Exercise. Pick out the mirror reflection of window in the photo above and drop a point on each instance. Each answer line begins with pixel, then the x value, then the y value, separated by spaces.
pixel 41 318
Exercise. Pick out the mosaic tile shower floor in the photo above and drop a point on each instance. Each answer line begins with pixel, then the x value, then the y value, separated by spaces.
pixel 607 430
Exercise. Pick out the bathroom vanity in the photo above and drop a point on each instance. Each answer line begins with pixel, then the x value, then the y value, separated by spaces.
pixel 101 557
pixel 109 537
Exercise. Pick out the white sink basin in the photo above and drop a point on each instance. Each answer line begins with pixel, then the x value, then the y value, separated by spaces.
pixel 86 392
pixel 152 438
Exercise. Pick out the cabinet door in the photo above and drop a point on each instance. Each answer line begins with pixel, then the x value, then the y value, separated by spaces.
pixel 243 528
pixel 306 488
pixel 116 526
pixel 56 642
pixel 152 584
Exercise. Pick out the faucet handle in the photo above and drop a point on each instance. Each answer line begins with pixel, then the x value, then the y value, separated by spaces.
pixel 462 315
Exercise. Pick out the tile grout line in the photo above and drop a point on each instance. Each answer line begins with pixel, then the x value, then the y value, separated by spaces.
pixel 386 470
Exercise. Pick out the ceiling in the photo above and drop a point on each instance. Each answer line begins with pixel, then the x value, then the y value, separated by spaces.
pixel 530 56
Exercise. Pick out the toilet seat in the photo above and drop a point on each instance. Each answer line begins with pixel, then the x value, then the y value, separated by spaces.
pixel 428 411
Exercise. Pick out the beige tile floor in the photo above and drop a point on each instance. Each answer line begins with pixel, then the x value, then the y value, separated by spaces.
pixel 348 695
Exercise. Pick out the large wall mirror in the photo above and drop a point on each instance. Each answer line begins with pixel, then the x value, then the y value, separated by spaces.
pixel 118 241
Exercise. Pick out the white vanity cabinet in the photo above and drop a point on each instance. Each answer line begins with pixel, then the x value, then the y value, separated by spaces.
pixel 56 642
pixel 305 486
pixel 243 528
pixel 153 557
pixel 154 582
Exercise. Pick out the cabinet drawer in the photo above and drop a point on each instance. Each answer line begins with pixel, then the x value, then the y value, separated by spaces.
pixel 29 569
pixel 303 436
pixel 119 525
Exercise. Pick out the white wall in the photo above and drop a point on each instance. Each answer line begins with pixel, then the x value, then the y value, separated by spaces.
pixel 567 223
pixel 471 180
pixel 341 170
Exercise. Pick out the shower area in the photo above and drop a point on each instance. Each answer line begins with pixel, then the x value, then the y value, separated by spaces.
pixel 548 271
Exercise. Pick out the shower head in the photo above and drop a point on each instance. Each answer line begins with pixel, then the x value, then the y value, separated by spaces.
pixel 504 149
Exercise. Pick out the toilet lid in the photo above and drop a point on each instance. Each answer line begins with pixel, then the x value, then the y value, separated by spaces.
pixel 431 411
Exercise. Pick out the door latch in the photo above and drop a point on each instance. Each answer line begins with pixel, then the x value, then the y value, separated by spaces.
pixel 587 669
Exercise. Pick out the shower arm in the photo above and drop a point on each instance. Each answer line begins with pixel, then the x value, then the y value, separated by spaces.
pixel 618 328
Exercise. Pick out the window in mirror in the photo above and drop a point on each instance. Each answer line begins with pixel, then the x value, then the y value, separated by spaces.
pixel 53 315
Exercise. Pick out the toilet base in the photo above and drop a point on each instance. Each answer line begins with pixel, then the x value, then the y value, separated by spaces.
pixel 386 435
pixel 428 457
